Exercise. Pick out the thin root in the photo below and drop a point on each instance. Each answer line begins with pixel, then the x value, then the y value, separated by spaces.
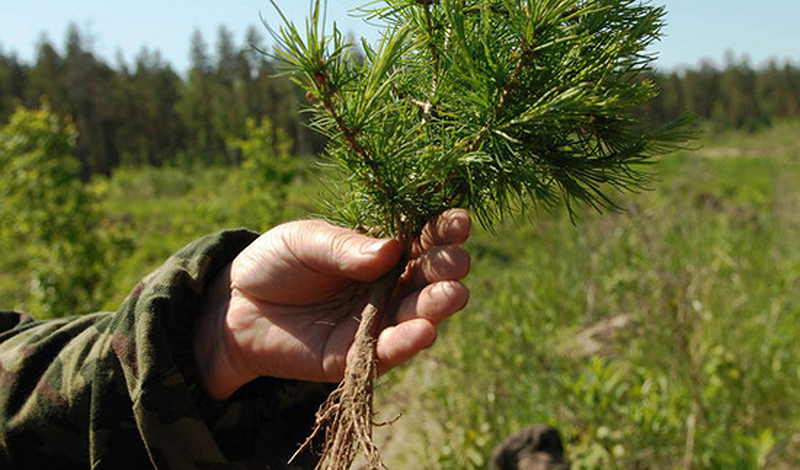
pixel 347 415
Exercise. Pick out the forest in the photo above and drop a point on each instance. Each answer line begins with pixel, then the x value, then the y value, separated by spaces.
pixel 147 113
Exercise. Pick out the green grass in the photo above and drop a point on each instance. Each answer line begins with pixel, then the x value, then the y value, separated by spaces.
pixel 703 272
pixel 700 275
pixel 162 210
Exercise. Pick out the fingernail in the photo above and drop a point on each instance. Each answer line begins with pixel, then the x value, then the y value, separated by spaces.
pixel 374 247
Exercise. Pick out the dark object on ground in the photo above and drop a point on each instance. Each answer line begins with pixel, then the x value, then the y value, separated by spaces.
pixel 537 447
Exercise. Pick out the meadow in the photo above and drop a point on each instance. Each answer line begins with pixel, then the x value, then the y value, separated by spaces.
pixel 661 336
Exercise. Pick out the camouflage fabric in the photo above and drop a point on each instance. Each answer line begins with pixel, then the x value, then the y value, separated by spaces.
pixel 119 390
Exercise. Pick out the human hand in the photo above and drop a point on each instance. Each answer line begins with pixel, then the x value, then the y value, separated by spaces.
pixel 288 305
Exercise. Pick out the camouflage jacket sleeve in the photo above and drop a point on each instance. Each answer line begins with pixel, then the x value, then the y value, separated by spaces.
pixel 119 390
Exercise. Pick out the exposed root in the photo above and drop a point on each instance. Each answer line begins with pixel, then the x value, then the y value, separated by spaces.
pixel 388 423
pixel 347 415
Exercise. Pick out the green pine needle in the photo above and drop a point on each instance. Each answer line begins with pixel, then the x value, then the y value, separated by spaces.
pixel 493 105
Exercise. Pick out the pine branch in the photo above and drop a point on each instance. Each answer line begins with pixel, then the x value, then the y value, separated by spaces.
pixel 434 52
pixel 351 137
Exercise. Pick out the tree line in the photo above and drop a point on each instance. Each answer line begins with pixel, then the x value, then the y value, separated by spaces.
pixel 736 95
pixel 146 113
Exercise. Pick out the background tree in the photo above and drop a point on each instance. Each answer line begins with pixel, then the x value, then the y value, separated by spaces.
pixel 776 88
pixel 275 97
pixel 46 80
pixel 252 62
pixel 12 83
pixel 739 106
pixel 196 105
pixel 227 105
pixel 152 132
pixel 700 89
pixel 147 113
pixel 50 214
pixel 267 170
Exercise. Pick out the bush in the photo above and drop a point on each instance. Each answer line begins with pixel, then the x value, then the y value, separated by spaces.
pixel 51 216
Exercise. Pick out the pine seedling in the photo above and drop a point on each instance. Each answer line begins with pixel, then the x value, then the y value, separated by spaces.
pixel 497 106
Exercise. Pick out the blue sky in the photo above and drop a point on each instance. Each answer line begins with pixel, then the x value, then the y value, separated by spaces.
pixel 696 29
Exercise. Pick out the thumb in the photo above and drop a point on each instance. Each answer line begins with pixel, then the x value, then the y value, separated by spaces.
pixel 310 259
pixel 340 252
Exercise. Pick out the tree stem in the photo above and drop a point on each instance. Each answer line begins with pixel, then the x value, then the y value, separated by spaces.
pixel 350 137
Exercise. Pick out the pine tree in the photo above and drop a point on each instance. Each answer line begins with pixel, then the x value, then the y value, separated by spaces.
pixel 13 80
pixel 151 132
pixel 46 79
pixel 493 105
pixel 228 116
pixel 88 85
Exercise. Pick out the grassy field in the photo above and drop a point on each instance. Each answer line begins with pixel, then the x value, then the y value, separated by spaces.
pixel 663 336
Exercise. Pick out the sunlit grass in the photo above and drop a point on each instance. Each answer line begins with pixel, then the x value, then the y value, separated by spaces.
pixel 660 337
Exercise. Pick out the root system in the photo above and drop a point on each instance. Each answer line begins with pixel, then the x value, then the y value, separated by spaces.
pixel 347 416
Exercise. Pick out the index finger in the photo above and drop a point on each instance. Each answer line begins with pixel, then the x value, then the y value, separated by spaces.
pixel 451 227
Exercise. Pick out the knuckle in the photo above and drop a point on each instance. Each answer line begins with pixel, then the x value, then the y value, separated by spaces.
pixel 340 246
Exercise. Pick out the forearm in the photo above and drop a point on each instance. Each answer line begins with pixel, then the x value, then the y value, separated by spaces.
pixel 126 390
pixel 63 395
pixel 96 389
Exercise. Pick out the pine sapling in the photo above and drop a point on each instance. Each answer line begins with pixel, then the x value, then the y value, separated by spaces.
pixel 497 106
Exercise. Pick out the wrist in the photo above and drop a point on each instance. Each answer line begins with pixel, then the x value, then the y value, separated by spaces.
pixel 217 368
